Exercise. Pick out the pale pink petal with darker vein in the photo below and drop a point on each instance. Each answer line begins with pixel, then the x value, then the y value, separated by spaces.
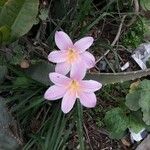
pixel 68 101
pixel 89 59
pixel 78 70
pixel 59 79
pixel 62 40
pixel 57 56
pixel 90 85
pixel 63 68
pixel 54 92
pixel 83 44
pixel 87 99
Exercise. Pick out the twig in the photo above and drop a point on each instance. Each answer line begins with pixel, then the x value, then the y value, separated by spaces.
pixel 136 5
pixel 116 38
pixel 119 31
pixel 136 10
pixel 86 131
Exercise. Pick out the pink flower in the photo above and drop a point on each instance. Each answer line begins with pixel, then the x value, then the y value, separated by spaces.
pixel 71 56
pixel 71 89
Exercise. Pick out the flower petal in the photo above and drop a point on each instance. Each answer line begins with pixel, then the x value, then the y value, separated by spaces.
pixel 54 92
pixel 90 85
pixel 62 40
pixel 89 59
pixel 68 101
pixel 78 70
pixel 83 44
pixel 87 99
pixel 59 79
pixel 62 68
pixel 57 56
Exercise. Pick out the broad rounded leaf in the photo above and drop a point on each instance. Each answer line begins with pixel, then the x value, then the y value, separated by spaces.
pixel 135 124
pixel 18 15
pixel 144 101
pixel 145 4
pixel 116 122
pixel 5 33
pixel 132 100
pixel 40 72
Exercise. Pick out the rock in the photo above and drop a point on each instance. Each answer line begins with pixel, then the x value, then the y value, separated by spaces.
pixel 24 64
pixel 145 144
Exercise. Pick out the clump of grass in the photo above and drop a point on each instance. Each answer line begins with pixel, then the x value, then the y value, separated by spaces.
pixel 134 36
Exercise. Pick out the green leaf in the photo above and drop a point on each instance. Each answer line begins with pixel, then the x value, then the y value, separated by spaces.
pixel 146 25
pixel 2 2
pixel 40 72
pixel 18 53
pixel 22 82
pixel 110 78
pixel 144 101
pixel 19 16
pixel 135 124
pixel 55 131
pixel 132 100
pixel 4 34
pixel 145 4
pixel 8 139
pixel 4 115
pixel 116 122
pixel 3 73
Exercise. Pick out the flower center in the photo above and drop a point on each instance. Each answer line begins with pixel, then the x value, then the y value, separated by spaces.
pixel 74 86
pixel 72 55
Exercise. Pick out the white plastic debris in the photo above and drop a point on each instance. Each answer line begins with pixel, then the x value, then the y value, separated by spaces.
pixel 138 136
pixel 125 66
pixel 141 55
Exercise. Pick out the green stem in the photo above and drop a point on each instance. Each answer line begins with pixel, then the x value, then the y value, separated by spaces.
pixel 80 125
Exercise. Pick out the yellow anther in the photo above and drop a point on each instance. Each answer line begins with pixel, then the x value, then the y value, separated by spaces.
pixel 72 55
pixel 74 86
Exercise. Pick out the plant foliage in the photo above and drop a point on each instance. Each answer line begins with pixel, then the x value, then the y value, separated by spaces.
pixel 8 129
pixel 16 18
pixel 140 99
pixel 118 121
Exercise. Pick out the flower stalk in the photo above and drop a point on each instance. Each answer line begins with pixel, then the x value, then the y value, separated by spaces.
pixel 80 125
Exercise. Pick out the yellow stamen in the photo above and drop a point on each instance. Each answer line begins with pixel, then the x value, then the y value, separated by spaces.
pixel 74 86
pixel 72 55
